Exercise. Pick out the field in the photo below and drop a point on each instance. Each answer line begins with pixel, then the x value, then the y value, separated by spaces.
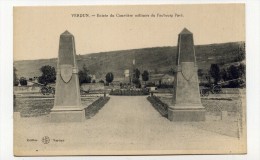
pixel 34 107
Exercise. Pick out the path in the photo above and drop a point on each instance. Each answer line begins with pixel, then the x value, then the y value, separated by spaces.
pixel 129 124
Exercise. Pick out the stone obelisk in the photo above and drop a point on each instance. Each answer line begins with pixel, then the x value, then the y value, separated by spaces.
pixel 67 103
pixel 186 97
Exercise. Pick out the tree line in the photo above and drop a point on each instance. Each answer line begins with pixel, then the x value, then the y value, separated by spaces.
pixel 49 76
pixel 232 74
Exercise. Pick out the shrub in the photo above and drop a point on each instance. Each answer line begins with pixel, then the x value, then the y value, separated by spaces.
pixel 23 81
pixel 129 92
pixel 109 77
pixel 48 75
pixel 84 76
pixel 93 109
pixel 161 107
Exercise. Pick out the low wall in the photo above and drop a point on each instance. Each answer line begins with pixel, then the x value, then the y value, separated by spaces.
pixel 27 89
pixel 92 86
pixel 161 107
pixel 129 92
pixel 93 108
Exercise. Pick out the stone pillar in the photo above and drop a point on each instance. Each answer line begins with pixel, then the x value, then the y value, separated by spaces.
pixel 67 103
pixel 186 105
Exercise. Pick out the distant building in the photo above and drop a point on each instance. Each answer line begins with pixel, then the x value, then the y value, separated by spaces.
pixel 127 73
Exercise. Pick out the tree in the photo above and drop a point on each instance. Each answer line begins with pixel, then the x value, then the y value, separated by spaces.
pixel 208 78
pixel 48 75
pixel 109 77
pixel 224 74
pixel 233 72
pixel 136 73
pixel 23 81
pixel 242 69
pixel 215 72
pixel 84 76
pixel 145 76
pixel 15 79
pixel 136 76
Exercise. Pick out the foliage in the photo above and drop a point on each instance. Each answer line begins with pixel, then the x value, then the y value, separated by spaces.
pixel 136 73
pixel 129 92
pixel 145 76
pixel 136 76
pixel 215 72
pixel 15 79
pixel 241 54
pixel 109 77
pixel 101 81
pixel 23 81
pixel 137 83
pixel 84 76
pixel 242 69
pixel 234 74
pixel 224 74
pixel 48 75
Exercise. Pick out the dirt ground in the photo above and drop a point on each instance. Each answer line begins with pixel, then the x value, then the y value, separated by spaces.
pixel 125 125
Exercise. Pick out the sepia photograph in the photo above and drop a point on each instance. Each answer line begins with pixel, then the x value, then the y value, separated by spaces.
pixel 129 80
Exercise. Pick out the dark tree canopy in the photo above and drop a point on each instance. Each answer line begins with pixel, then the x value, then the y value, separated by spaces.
pixel 84 76
pixel 242 69
pixel 136 76
pixel 48 75
pixel 23 81
pixel 224 74
pixel 233 72
pixel 136 73
pixel 15 79
pixel 145 76
pixel 109 77
pixel 215 73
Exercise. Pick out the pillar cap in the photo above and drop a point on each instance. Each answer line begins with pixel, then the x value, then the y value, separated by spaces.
pixel 66 33
pixel 185 31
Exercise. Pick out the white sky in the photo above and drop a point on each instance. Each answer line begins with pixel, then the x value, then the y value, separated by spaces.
pixel 37 29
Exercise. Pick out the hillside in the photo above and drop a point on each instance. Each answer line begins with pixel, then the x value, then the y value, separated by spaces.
pixel 156 60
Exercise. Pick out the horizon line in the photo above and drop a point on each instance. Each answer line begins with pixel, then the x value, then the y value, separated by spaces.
pixel 123 50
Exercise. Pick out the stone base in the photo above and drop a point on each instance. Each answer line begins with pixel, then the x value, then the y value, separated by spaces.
pixel 186 114
pixel 67 116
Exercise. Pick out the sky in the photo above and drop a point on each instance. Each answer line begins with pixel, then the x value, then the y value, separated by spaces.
pixel 37 29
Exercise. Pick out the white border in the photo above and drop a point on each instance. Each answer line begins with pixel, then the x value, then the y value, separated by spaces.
pixel 253 78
